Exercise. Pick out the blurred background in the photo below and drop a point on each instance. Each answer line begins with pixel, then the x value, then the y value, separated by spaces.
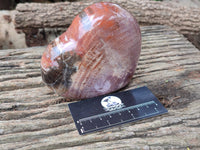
pixel 11 4
pixel 12 38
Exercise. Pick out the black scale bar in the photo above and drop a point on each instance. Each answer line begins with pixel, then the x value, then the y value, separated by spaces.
pixel 91 115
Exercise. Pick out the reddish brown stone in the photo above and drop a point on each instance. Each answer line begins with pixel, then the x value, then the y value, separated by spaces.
pixel 98 54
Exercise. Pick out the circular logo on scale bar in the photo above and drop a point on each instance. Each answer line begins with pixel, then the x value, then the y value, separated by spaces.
pixel 111 103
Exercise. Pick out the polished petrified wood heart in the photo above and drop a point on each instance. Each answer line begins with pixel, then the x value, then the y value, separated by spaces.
pixel 98 53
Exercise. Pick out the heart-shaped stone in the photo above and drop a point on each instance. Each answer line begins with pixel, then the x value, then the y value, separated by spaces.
pixel 98 53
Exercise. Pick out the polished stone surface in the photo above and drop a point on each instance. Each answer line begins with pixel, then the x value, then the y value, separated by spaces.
pixel 98 54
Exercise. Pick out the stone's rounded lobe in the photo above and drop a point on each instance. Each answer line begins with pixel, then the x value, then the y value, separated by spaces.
pixel 98 53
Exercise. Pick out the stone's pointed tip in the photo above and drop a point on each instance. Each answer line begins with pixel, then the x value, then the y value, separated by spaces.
pixel 98 53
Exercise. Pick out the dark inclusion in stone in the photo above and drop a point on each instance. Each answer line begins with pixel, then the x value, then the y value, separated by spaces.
pixel 61 76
